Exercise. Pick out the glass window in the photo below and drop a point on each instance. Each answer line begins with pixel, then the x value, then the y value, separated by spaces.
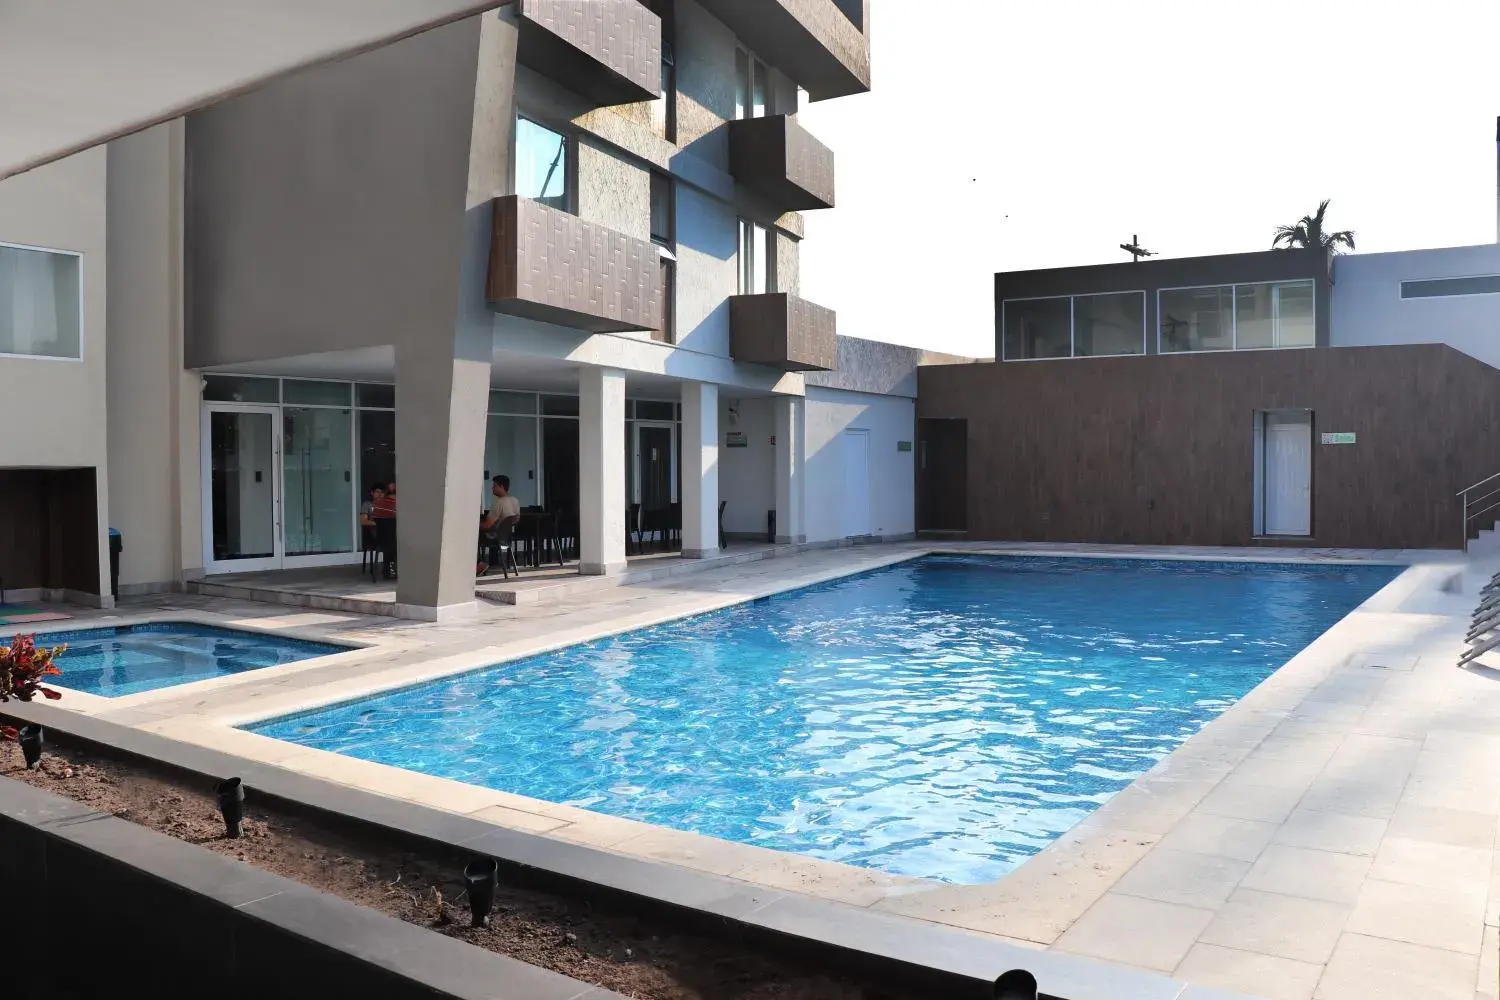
pixel 1196 319
pixel 377 450
pixel 1479 284
pixel 381 397
pixel 241 389
pixel 541 164
pixel 1038 328
pixel 664 111
pixel 741 84
pixel 560 406
pixel 650 409
pixel 315 393
pixel 757 272
pixel 40 308
pixel 510 449
pixel 502 401
pixel 317 464
pixel 667 334
pixel 760 97
pixel 661 208
pixel 1296 324
pixel 1109 324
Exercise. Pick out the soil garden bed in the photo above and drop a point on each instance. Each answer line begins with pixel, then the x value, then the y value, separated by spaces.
pixel 638 955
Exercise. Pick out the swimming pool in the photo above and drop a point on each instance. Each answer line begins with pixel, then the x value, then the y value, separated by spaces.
pixel 946 717
pixel 129 659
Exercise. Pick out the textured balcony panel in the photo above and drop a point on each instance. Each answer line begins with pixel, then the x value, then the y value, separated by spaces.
pixel 812 41
pixel 783 331
pixel 609 51
pixel 780 159
pixel 555 267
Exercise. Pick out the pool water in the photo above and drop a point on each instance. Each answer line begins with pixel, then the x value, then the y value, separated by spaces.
pixel 945 718
pixel 129 659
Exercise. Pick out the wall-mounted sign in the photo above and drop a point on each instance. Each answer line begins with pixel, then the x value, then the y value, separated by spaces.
pixel 903 446
pixel 735 439
pixel 1339 437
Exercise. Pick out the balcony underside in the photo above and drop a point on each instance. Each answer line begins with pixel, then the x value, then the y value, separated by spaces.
pixel 608 51
pixel 783 331
pixel 812 41
pixel 778 158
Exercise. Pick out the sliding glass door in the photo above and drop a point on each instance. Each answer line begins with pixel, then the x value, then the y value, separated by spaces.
pixel 242 500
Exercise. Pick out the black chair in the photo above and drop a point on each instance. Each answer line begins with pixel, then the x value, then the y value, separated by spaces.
pixel 385 536
pixel 500 549
pixel 722 505
pixel 674 525
pixel 566 533
pixel 633 527
pixel 369 549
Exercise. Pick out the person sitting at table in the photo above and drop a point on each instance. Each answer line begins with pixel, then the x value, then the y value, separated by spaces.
pixel 383 510
pixel 504 509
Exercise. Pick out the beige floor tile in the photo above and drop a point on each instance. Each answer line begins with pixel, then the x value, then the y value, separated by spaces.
pixel 1439 866
pixel 1455 827
pixel 1450 918
pixel 1471 793
pixel 1366 968
pixel 1328 831
pixel 1273 924
pixel 1181 877
pixel 1489 963
pixel 1352 798
pixel 1222 836
pixel 1242 800
pixel 1141 932
pixel 1297 871
pixel 1248 973
pixel 1279 773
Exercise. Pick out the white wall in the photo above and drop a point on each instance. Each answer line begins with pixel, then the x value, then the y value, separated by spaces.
pixel 747 476
pixel 1368 308
pixel 889 419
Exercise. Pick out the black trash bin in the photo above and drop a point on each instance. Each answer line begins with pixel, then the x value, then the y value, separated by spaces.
pixel 771 527
pixel 116 543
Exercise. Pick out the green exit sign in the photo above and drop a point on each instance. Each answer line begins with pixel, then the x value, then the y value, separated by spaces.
pixel 1339 437
pixel 903 446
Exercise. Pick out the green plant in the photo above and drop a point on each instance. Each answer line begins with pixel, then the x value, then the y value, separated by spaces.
pixel 1308 232
pixel 23 665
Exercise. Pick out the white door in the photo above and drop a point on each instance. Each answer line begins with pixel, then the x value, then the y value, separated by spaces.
pixel 856 500
pixel 1288 476
pixel 241 488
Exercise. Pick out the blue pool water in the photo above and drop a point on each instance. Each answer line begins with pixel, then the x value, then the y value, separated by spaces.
pixel 945 718
pixel 129 659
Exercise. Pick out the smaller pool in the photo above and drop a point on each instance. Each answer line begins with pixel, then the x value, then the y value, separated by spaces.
pixel 129 659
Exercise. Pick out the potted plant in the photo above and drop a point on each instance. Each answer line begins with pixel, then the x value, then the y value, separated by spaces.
pixel 23 665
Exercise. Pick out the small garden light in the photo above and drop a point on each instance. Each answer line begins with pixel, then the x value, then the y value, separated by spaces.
pixel 30 738
pixel 481 877
pixel 231 795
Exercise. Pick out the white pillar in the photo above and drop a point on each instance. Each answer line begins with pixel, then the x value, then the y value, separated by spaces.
pixel 790 414
pixel 700 469
pixel 601 471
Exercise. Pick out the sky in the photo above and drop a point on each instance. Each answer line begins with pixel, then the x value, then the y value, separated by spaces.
pixel 1011 134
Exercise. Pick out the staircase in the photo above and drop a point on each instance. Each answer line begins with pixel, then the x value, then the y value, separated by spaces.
pixel 1487 542
pixel 1481 506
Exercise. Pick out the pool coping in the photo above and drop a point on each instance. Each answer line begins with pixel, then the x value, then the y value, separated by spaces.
pixel 355 651
pixel 854 890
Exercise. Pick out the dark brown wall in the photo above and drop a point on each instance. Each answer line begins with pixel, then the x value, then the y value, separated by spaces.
pixel 49 529
pixel 1160 449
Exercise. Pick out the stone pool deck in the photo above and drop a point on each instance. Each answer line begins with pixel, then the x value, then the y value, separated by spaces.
pixel 1333 835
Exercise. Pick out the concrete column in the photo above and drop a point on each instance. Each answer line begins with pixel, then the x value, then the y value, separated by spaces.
pixel 790 480
pixel 700 469
pixel 601 471
pixel 441 401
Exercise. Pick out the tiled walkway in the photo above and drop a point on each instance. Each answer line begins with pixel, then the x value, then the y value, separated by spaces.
pixel 1332 836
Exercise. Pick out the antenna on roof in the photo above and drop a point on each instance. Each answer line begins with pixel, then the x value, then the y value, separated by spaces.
pixel 1135 249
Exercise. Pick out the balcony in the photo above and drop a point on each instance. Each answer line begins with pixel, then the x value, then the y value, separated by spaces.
pixel 820 44
pixel 780 159
pixel 554 267
pixel 782 331
pixel 608 51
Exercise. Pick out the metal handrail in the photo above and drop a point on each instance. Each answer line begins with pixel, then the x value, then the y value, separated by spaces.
pixel 1469 516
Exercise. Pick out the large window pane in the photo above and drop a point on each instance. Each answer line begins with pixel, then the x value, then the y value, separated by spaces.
pixel 315 393
pixel 504 401
pixel 1197 319
pixel 317 458
pixel 375 395
pixel 1295 323
pixel 241 389
pixel 1037 328
pixel 541 164
pixel 759 273
pixel 377 450
pixel 760 97
pixel 510 449
pixel 1109 324
pixel 661 208
pixel 741 84
pixel 39 304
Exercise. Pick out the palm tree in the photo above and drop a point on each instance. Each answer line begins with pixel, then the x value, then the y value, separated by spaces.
pixel 1308 232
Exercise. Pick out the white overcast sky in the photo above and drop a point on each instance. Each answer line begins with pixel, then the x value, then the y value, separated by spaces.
pixel 1011 134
